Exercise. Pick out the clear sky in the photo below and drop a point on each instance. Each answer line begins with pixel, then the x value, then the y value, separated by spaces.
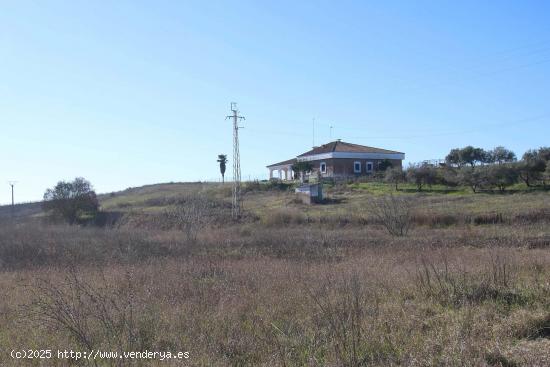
pixel 127 93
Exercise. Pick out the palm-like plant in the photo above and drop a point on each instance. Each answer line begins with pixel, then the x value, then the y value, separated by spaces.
pixel 222 160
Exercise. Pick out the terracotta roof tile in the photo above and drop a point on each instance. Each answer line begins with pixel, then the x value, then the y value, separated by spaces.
pixel 340 146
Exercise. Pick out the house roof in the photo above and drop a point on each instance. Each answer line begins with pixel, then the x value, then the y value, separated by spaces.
pixel 336 146
pixel 284 163
pixel 341 146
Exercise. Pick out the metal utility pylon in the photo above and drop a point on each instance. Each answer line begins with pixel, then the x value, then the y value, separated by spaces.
pixel 12 184
pixel 236 205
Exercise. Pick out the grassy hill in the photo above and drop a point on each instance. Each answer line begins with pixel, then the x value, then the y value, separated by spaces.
pixel 289 284
pixel 348 202
pixel 20 210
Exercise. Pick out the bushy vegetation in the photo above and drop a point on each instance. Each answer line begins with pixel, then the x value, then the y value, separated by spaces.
pixel 480 170
pixel 301 168
pixel 73 202
pixel 395 176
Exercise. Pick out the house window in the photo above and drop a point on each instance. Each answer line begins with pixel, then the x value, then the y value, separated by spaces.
pixel 323 167
pixel 369 166
pixel 357 167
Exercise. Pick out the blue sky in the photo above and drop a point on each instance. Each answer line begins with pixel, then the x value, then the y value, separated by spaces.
pixel 127 93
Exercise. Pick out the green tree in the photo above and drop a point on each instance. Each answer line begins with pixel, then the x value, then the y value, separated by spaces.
pixel 501 176
pixel 546 179
pixel 222 160
pixel 422 175
pixel 448 176
pixel 453 158
pixel 459 157
pixel 544 153
pixel 395 175
pixel 301 168
pixel 474 179
pixel 472 156
pixel 384 165
pixel 532 166
pixel 501 155
pixel 71 201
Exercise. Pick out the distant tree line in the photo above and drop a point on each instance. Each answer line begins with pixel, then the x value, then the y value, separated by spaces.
pixel 478 169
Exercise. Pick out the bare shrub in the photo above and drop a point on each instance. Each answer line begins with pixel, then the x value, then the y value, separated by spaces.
pixel 347 309
pixel 451 287
pixel 192 215
pixel 94 315
pixel 395 213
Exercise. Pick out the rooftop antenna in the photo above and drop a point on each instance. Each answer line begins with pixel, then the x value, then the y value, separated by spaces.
pixel 236 204
pixel 313 133
pixel 12 184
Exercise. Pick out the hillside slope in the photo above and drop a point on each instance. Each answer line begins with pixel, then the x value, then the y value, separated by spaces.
pixel 346 203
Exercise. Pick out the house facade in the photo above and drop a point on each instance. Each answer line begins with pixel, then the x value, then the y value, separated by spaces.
pixel 338 159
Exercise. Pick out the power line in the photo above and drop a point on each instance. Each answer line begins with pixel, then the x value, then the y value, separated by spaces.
pixel 275 132
pixel 474 77
pixel 480 127
pixel 477 68
pixel 483 127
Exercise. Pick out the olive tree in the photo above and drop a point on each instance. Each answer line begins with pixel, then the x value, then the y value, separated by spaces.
pixel 474 179
pixel 453 158
pixel 532 167
pixel 544 153
pixel 501 155
pixel 468 155
pixel 472 156
pixel 422 175
pixel 395 176
pixel 546 178
pixel 501 176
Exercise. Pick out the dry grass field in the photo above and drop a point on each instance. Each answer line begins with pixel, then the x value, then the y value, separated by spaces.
pixel 289 285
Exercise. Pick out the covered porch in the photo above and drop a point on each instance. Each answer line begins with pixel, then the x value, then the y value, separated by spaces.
pixel 282 170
